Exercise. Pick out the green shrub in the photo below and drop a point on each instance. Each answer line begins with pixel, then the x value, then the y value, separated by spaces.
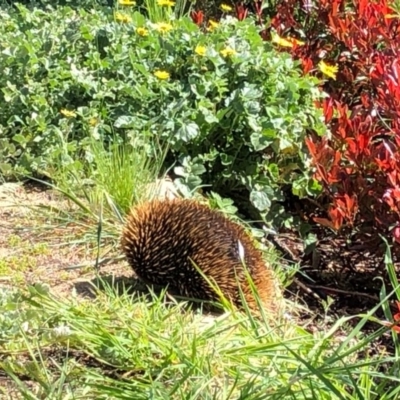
pixel 234 112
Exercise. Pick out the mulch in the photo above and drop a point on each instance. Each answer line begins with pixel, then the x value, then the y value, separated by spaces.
pixel 346 267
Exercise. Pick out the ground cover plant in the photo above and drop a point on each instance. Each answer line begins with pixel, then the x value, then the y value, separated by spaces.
pixel 103 99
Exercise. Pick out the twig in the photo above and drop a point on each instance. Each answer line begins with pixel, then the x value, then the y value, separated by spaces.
pixel 306 289
pixel 352 293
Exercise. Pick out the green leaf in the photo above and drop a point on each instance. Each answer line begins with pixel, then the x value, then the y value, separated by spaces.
pixel 208 115
pixel 259 141
pixel 274 171
pixel 141 69
pixel 188 132
pixel 310 242
pixel 21 139
pixel 226 159
pixel 197 167
pixel 314 187
pixel 260 200
pixel 125 121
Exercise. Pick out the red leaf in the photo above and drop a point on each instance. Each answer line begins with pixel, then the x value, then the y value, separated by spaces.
pixel 197 17
pixel 324 222
pixel 396 317
pixel 396 236
pixel 328 109
pixel 241 11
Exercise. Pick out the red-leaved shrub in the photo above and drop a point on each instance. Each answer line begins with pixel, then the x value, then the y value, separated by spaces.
pixel 359 166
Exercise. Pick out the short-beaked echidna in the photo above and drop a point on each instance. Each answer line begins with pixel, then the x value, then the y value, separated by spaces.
pixel 163 238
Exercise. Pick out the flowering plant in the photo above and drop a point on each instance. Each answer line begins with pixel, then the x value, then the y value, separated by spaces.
pixel 233 111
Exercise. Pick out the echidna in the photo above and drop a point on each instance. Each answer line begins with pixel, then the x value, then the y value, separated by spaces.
pixel 163 238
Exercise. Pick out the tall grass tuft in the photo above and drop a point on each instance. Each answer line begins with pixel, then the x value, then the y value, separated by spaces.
pixel 101 191
pixel 122 174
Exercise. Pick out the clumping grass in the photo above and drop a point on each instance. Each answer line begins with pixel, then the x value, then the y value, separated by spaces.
pixel 165 11
pixel 157 13
pixel 131 346
pixel 396 7
pixel 119 176
pixel 115 179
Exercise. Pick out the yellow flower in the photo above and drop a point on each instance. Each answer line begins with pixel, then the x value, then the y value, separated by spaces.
pixel 288 42
pixel 142 31
pixel 163 75
pixel 227 52
pixel 200 50
pixel 93 121
pixel 168 3
pixel 328 70
pixel 163 27
pixel 226 8
pixel 67 113
pixel 127 2
pixel 122 17
pixel 213 25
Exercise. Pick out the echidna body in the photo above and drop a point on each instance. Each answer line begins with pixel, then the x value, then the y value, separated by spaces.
pixel 163 238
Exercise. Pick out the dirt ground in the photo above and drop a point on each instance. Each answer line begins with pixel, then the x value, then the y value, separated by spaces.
pixel 34 249
pixel 350 272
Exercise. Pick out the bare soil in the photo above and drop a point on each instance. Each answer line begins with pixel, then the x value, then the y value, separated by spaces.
pixel 34 249
pixel 350 270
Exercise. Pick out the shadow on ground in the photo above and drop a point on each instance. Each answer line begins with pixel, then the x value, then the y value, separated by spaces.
pixel 136 288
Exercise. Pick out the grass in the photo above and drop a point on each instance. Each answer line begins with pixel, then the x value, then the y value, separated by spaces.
pixel 22 256
pixel 131 345
pixel 125 345
pixel 395 4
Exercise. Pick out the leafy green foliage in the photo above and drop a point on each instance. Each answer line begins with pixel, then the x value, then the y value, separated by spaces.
pixel 234 114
